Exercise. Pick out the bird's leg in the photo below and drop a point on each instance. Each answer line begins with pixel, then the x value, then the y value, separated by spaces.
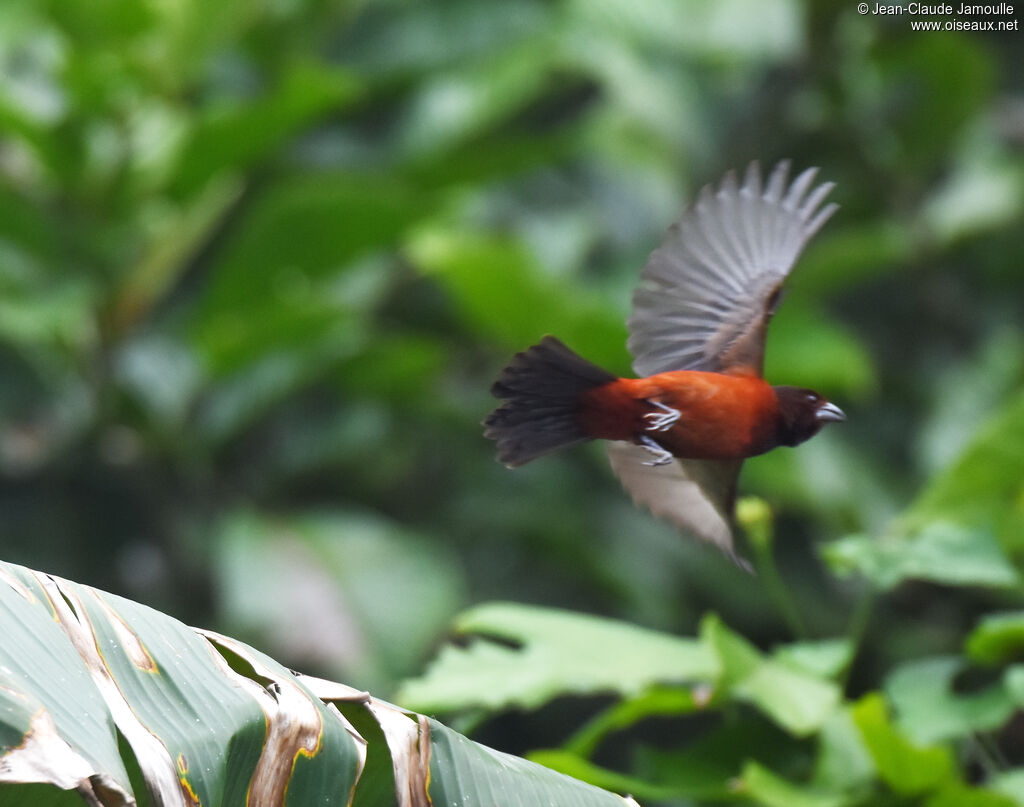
pixel 661 456
pixel 661 421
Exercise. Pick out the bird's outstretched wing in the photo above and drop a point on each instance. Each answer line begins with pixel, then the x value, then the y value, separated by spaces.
pixel 697 495
pixel 707 293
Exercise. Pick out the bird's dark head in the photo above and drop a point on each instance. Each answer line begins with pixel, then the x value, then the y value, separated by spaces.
pixel 802 413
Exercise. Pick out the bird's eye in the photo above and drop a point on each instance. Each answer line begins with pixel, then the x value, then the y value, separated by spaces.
pixel 812 397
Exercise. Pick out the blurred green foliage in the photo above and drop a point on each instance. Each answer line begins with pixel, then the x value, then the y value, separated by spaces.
pixel 259 263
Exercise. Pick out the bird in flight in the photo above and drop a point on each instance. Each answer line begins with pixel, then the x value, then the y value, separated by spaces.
pixel 679 433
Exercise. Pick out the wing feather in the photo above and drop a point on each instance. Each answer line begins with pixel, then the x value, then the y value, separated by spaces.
pixel 707 293
pixel 694 495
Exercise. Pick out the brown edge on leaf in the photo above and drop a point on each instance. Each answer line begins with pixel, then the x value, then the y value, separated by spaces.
pixel 293 720
pixel 408 738
pixel 407 735
pixel 132 645
pixel 158 769
pixel 44 756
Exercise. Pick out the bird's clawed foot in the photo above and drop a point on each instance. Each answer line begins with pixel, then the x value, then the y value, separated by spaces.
pixel 661 421
pixel 661 456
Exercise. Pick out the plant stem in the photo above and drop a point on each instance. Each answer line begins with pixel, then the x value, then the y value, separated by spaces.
pixel 755 516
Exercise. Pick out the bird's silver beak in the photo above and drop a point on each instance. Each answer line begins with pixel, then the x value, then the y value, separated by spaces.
pixel 829 412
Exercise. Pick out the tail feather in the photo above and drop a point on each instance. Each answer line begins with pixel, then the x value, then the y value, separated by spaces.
pixel 540 390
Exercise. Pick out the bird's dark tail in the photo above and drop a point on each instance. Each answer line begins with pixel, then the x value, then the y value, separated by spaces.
pixel 540 390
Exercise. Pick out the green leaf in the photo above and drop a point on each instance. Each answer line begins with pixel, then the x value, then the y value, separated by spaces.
pixel 767 788
pixel 114 700
pixel 907 768
pixel 795 699
pixel 825 658
pixel 921 692
pixel 466 774
pixel 964 393
pixel 45 690
pixel 552 653
pixel 958 795
pixel 1010 783
pixel 984 487
pixel 189 720
pixel 998 638
pixel 943 552
pixel 843 762
pixel 956 530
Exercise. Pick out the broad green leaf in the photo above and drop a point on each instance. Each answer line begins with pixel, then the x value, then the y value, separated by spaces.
pixel 466 774
pixel 964 393
pixel 943 552
pixel 48 694
pixel 796 700
pixel 843 763
pixel 765 787
pixel 907 768
pixel 956 530
pixel 958 795
pixel 1010 783
pixel 927 709
pixel 114 700
pixel 542 653
pixel 192 723
pixel 999 637
pixel 826 658
pixel 984 487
